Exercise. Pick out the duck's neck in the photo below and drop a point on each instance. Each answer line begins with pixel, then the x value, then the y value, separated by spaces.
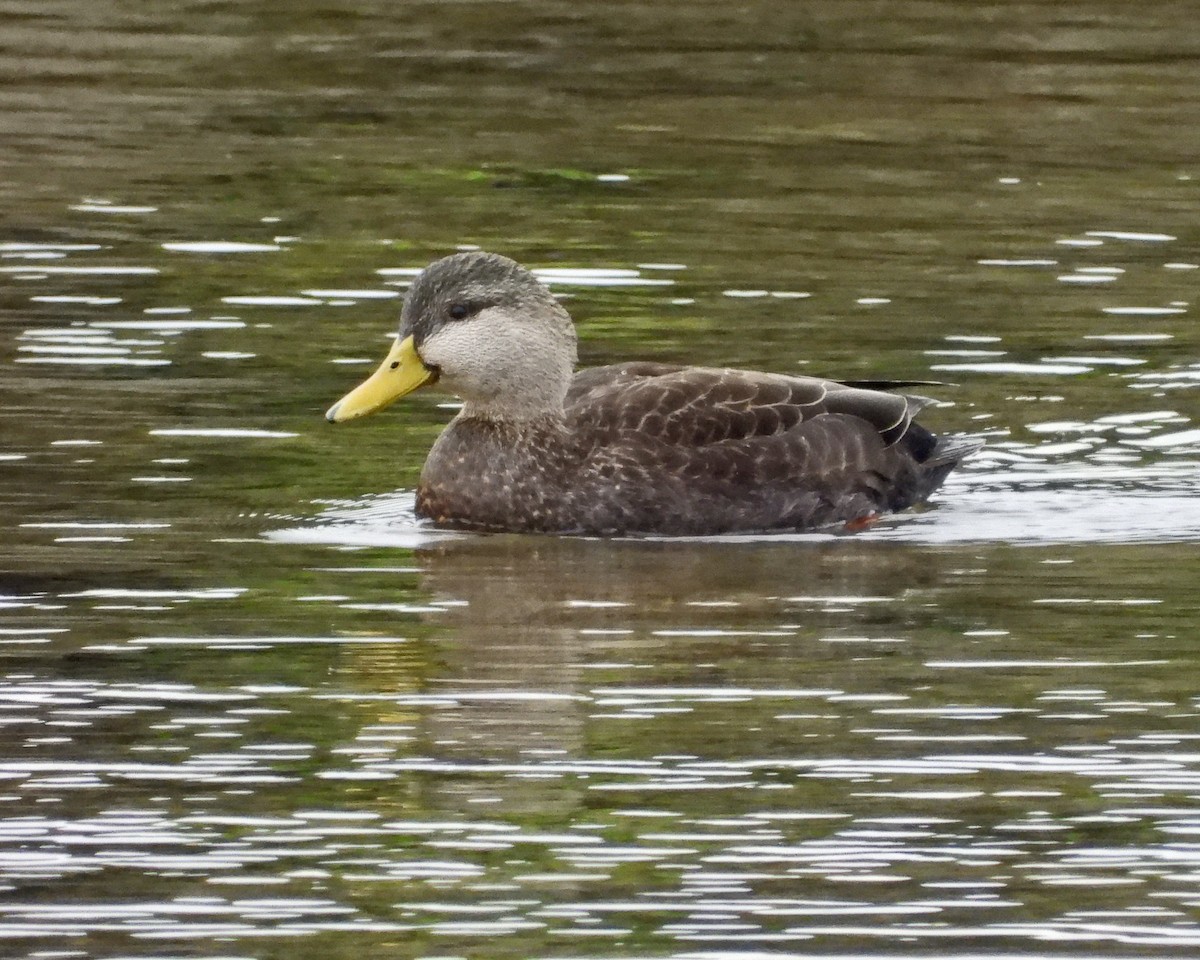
pixel 533 400
pixel 507 414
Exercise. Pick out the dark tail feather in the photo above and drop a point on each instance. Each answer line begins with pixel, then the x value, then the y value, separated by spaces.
pixel 935 457
pixel 892 384
pixel 951 451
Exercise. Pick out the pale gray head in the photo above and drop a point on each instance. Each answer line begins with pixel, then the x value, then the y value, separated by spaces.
pixel 495 335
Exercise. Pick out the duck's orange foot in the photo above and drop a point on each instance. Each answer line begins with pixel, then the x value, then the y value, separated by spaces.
pixel 863 523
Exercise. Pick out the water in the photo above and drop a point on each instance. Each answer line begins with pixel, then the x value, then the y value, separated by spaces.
pixel 253 709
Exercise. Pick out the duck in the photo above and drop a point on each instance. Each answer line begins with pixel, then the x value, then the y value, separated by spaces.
pixel 636 448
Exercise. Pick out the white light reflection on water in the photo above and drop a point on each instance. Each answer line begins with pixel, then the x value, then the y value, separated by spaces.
pixel 94 343
pixel 1144 311
pixel 1043 368
pixel 220 246
pixel 96 361
pixel 10 248
pixel 169 326
pixel 351 294
pixel 715 877
pixel 252 433
pixel 114 271
pixel 273 301
pixel 1131 235
pixel 570 276
pixel 68 298
pixel 104 206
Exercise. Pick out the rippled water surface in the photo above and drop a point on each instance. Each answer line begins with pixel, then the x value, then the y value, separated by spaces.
pixel 252 709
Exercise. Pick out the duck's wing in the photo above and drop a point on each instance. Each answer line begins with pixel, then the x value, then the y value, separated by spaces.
pixel 709 450
pixel 700 406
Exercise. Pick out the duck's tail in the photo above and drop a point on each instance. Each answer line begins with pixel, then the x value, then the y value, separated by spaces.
pixel 947 453
pixel 933 457
pixel 951 451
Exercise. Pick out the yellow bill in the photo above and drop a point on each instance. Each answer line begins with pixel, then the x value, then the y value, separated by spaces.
pixel 401 372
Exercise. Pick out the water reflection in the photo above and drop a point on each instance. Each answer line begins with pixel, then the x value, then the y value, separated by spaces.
pixel 573 739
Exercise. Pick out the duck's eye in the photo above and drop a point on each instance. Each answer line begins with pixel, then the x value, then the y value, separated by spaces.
pixel 459 311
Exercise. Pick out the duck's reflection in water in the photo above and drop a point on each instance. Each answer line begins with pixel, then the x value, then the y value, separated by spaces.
pixel 538 643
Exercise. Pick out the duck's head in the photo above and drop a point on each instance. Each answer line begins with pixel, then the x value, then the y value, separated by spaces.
pixel 484 328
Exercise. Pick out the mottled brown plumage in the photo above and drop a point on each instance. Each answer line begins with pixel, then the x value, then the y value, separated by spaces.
pixel 640 447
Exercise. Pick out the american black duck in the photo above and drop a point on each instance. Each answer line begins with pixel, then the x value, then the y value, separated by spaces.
pixel 632 448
